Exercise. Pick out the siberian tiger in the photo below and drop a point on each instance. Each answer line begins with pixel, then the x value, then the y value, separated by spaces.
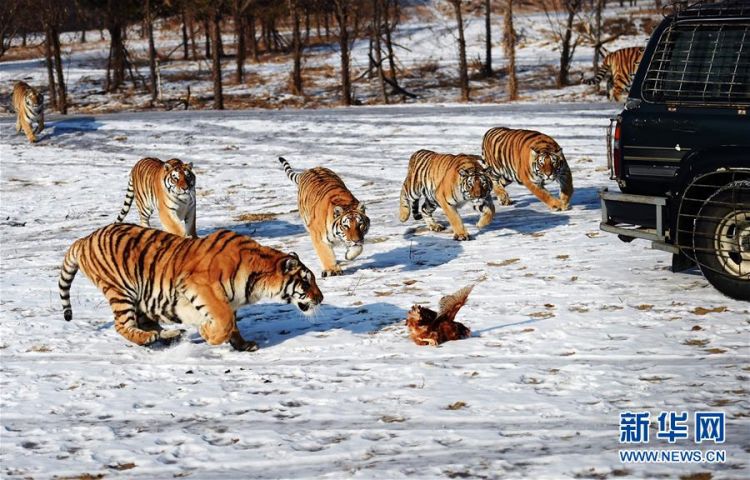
pixel 530 158
pixel 149 276
pixel 331 214
pixel 447 181
pixel 621 66
pixel 167 186
pixel 29 107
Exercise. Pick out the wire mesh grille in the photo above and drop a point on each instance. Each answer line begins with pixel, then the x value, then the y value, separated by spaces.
pixel 708 9
pixel 706 63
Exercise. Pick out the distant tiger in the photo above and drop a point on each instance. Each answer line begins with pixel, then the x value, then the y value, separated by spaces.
pixel 331 214
pixel 167 186
pixel 528 157
pixel 447 181
pixel 151 277
pixel 621 66
pixel 29 106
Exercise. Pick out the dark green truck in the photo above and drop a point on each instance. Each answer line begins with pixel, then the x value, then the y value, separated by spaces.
pixel 680 149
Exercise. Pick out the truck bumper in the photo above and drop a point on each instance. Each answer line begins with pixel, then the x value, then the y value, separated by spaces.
pixel 636 216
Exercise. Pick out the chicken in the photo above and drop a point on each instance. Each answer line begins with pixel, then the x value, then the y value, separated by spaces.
pixel 426 327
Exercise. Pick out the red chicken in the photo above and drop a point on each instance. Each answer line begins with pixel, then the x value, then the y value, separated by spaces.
pixel 426 327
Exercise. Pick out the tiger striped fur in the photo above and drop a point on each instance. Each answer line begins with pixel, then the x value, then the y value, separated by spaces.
pixel 168 187
pixel 331 214
pixel 621 66
pixel 29 106
pixel 530 158
pixel 151 277
pixel 447 181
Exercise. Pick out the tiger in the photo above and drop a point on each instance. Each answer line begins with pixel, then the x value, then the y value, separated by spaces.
pixel 29 106
pixel 331 214
pixel 167 186
pixel 150 277
pixel 621 66
pixel 447 181
pixel 528 157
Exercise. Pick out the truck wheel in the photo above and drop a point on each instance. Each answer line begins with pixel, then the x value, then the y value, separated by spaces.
pixel 721 240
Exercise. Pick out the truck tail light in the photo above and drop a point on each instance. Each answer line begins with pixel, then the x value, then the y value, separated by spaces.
pixel 614 153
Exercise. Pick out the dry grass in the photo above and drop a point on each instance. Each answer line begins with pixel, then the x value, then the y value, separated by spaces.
pixel 255 217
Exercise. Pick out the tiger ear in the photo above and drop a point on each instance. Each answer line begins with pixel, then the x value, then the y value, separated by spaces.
pixel 167 167
pixel 289 263
pixel 464 172
pixel 361 207
pixel 337 211
pixel 189 165
pixel 534 154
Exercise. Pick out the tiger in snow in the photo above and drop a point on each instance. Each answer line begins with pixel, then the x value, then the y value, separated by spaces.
pixel 447 181
pixel 331 214
pixel 167 186
pixel 151 277
pixel 528 157
pixel 621 66
pixel 29 106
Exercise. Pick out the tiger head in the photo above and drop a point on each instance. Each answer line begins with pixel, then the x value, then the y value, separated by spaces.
pixel 350 224
pixel 297 284
pixel 475 184
pixel 546 165
pixel 34 100
pixel 179 178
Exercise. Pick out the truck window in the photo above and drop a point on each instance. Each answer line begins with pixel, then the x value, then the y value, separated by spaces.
pixel 701 64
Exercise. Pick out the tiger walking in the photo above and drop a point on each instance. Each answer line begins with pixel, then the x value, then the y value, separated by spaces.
pixel 530 158
pixel 331 214
pixel 151 277
pixel 168 187
pixel 448 181
pixel 621 66
pixel 28 104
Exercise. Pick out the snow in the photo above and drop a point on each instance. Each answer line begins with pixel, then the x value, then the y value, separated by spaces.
pixel 570 326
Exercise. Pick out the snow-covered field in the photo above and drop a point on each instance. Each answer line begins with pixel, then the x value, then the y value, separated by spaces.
pixel 570 326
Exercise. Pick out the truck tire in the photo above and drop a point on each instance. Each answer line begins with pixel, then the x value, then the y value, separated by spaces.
pixel 721 240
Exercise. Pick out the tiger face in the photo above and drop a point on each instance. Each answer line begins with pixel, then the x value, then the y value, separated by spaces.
pixel 179 178
pixel 546 166
pixel 298 285
pixel 34 101
pixel 475 184
pixel 349 227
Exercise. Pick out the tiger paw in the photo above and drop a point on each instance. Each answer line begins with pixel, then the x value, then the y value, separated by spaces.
pixel 243 345
pixel 436 227
pixel 333 272
pixel 170 336
pixel 460 237
pixel 505 200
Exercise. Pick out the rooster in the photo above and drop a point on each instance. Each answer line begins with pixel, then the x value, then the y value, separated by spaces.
pixel 429 328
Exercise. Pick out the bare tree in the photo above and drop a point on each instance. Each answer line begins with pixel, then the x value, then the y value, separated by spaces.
pixel 487 39
pixel 341 12
pixel 9 23
pixel 509 44
pixel 564 34
pixel 151 49
pixel 215 24
pixel 296 48
pixel 377 32
pixel 599 5
pixel 463 74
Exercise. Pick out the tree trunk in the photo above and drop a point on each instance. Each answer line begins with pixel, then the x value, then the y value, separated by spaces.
pixel 193 44
pixel 184 36
pixel 253 40
pixel 377 26
pixel 296 48
pixel 388 42
pixel 463 74
pixel 342 17
pixel 216 61
pixel 487 39
pixel 117 53
pixel 83 35
pixel 239 28
pixel 62 101
pixel 509 42
pixel 151 51
pixel 207 30
pixel 50 67
pixel 566 50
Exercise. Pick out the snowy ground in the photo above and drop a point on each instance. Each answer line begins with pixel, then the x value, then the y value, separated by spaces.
pixel 570 326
